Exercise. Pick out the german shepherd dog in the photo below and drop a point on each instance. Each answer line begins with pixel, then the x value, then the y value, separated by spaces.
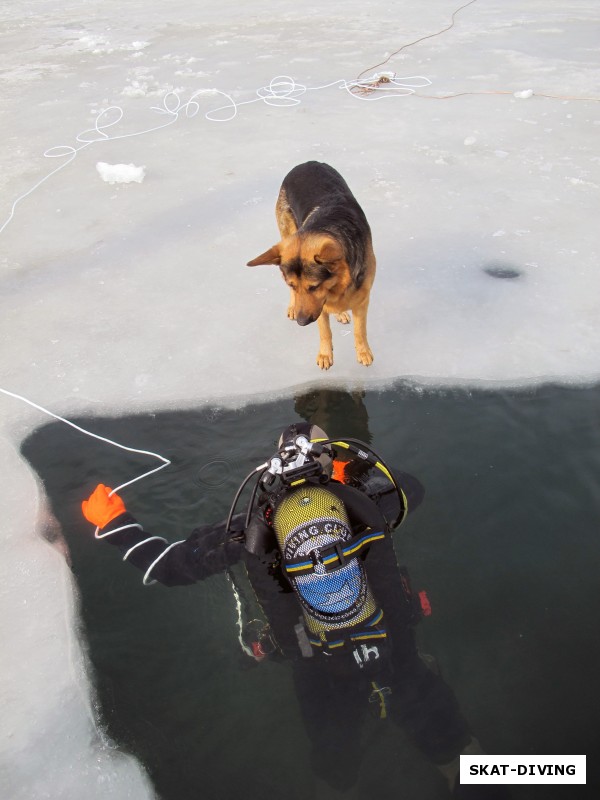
pixel 325 254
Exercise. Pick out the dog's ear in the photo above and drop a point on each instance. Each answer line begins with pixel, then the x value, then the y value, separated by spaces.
pixel 329 252
pixel 271 256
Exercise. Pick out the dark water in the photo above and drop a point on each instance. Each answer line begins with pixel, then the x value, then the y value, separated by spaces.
pixel 506 544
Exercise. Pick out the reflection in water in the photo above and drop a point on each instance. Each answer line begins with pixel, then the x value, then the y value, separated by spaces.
pixel 489 542
pixel 334 409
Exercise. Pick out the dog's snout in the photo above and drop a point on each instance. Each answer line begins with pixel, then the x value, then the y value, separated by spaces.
pixel 304 319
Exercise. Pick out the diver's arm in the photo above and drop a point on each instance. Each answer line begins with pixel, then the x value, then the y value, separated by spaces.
pixel 413 489
pixel 207 551
pixel 391 586
pixel 391 582
pixel 388 581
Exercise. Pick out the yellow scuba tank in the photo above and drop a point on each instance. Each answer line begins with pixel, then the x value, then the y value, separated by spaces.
pixel 319 556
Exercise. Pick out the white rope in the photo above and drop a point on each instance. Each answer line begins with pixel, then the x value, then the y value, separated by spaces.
pixel 98 535
pixel 239 621
pixel 145 580
pixel 282 91
pixel 85 139
pixel 165 461
pixel 135 546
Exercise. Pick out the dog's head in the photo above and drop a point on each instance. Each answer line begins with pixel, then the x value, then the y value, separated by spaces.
pixel 314 267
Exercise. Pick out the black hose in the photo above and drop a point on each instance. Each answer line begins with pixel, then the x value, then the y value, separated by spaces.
pixel 369 449
pixel 236 498
pixel 253 497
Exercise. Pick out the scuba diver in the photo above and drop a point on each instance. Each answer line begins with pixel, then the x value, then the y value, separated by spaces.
pixel 316 542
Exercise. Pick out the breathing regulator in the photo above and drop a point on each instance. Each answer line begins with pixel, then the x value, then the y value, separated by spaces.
pixel 296 461
pixel 305 452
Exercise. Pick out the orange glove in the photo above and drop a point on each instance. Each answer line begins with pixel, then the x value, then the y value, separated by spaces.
pixel 100 509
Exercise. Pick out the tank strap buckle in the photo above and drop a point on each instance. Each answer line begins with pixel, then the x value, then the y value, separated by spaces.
pixel 325 555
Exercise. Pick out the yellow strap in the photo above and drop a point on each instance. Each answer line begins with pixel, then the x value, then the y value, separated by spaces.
pixel 382 706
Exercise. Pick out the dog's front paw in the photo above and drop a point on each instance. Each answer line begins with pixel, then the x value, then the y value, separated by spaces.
pixel 291 312
pixel 344 317
pixel 325 360
pixel 364 356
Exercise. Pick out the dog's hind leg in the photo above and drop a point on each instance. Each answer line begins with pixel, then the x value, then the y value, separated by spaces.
pixel 325 357
pixel 286 221
pixel 344 317
pixel 363 351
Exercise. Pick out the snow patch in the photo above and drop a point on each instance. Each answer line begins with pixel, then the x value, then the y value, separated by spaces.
pixel 120 173
pixel 524 95
pixel 99 45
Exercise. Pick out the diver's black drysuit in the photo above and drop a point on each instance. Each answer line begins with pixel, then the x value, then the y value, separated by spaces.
pixel 334 690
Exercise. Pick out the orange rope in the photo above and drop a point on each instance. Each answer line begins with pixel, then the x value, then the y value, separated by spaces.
pixel 366 89
pixel 422 39
pixel 535 94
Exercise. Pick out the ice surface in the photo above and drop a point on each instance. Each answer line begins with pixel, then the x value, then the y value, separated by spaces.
pixel 136 296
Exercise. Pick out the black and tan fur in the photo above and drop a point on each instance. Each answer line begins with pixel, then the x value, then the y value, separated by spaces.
pixel 325 254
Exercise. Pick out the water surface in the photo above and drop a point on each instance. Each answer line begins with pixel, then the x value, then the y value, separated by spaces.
pixel 506 545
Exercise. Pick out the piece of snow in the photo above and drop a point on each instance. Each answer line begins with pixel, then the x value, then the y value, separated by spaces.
pixel 120 173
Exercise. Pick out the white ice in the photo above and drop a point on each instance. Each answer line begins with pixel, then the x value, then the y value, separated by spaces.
pixel 136 295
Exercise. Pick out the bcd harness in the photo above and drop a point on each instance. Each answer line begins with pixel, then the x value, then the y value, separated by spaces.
pixel 319 554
